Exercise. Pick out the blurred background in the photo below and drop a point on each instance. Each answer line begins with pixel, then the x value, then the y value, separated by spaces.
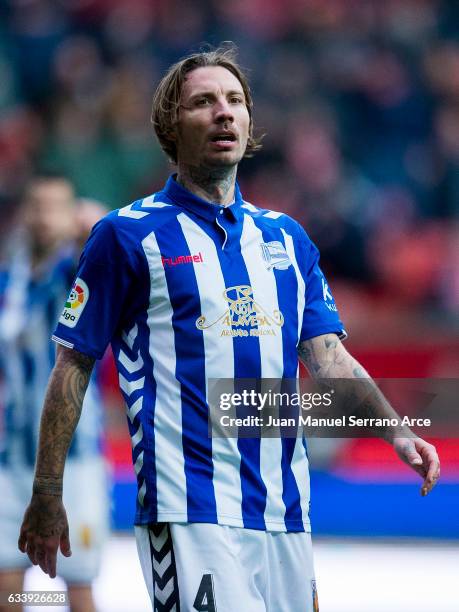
pixel 359 101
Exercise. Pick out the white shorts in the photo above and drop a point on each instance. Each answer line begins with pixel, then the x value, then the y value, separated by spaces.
pixel 87 504
pixel 206 567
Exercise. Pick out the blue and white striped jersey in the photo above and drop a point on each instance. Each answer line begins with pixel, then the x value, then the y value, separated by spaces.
pixel 30 305
pixel 188 291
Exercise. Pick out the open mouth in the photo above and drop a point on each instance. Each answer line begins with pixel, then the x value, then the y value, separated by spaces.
pixel 226 137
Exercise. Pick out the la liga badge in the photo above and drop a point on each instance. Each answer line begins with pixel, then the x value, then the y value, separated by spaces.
pixel 74 306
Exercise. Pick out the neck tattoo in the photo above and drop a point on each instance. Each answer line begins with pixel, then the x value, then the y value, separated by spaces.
pixel 214 185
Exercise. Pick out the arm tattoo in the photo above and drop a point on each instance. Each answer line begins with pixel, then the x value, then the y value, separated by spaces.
pixel 47 485
pixel 325 357
pixel 61 412
pixel 330 342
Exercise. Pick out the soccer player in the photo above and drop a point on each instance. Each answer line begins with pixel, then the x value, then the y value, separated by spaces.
pixel 35 279
pixel 190 284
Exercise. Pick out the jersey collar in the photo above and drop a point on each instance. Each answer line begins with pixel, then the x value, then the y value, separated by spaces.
pixel 200 207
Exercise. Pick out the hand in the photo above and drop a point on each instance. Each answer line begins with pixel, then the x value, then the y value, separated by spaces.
pixel 422 457
pixel 43 530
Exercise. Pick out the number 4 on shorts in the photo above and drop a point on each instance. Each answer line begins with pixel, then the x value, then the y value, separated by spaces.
pixel 205 598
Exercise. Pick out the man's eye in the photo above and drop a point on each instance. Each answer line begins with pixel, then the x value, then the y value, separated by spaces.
pixel 236 100
pixel 202 102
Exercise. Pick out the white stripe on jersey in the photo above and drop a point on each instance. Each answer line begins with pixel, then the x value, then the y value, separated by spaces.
pixel 264 288
pixel 149 202
pixel 250 207
pixel 301 293
pixel 211 286
pixel 300 469
pixel 300 463
pixel 133 214
pixel 272 214
pixel 169 457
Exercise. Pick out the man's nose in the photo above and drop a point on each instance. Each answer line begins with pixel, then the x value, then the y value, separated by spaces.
pixel 223 111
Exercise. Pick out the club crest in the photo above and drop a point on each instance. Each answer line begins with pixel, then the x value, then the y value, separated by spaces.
pixel 275 255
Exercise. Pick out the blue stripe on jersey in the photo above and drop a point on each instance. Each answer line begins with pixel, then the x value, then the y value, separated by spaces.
pixel 288 281
pixel 291 494
pixel 190 372
pixel 246 352
pixel 299 256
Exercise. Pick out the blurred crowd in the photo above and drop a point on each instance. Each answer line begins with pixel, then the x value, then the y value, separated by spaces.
pixel 358 100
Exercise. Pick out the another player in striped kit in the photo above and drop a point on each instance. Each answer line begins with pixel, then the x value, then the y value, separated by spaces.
pixel 35 277
pixel 191 284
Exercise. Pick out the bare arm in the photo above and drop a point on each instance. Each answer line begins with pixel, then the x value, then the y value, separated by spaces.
pixel 326 357
pixel 45 526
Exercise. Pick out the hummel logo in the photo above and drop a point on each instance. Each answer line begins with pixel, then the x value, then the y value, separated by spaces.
pixel 182 259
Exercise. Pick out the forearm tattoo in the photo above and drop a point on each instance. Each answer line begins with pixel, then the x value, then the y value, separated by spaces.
pixel 326 358
pixel 61 412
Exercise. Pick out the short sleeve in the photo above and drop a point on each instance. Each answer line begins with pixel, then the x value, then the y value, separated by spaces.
pixel 97 302
pixel 320 312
